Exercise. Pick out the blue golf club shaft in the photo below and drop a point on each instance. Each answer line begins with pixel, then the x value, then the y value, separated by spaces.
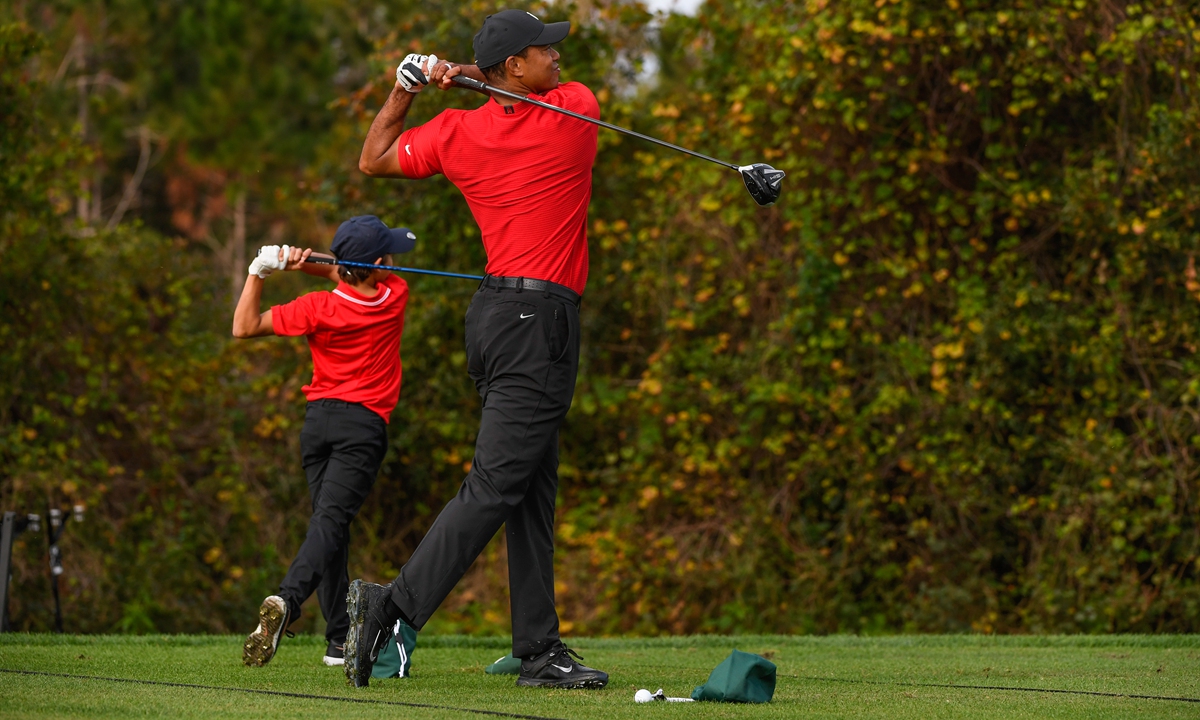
pixel 371 266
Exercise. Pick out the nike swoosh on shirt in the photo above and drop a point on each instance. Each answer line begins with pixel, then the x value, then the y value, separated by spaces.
pixel 408 149
pixel 523 316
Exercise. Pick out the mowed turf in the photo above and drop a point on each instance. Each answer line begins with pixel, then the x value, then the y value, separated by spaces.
pixel 827 677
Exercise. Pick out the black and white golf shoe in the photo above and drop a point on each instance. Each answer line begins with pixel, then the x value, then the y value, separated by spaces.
pixel 370 628
pixel 334 654
pixel 557 667
pixel 260 646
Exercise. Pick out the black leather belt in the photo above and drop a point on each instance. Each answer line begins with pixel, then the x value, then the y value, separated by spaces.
pixel 496 282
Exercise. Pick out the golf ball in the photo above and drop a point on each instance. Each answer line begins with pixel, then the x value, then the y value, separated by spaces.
pixel 643 696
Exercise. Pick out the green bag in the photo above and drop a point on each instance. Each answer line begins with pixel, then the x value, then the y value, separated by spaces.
pixel 395 659
pixel 741 677
pixel 507 665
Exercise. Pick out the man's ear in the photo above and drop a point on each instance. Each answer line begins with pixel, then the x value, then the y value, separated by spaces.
pixel 514 66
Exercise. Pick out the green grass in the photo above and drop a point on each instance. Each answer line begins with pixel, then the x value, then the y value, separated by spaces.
pixel 826 677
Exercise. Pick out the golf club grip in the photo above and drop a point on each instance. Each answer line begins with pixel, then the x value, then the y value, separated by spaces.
pixel 484 87
pixel 470 82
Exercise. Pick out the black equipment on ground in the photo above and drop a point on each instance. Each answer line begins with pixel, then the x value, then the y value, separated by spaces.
pixel 14 524
pixel 762 180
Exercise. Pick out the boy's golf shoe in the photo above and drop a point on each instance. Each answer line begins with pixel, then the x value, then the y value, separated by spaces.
pixel 334 655
pixel 557 667
pixel 370 628
pixel 272 619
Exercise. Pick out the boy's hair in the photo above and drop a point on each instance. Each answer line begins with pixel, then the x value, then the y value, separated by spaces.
pixel 353 275
pixel 495 73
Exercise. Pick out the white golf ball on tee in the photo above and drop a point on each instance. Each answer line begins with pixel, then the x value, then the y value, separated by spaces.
pixel 643 696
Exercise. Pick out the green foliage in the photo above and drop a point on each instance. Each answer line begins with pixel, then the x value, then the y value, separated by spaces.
pixel 947 383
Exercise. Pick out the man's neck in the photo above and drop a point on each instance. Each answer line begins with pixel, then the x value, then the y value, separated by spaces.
pixel 515 88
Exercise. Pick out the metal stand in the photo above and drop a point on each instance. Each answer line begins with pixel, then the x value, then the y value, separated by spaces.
pixel 58 523
pixel 11 527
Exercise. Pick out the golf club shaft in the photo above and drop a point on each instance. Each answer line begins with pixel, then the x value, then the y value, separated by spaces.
pixel 371 266
pixel 484 87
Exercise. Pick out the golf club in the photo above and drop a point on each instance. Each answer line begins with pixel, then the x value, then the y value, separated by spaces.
pixel 371 266
pixel 762 180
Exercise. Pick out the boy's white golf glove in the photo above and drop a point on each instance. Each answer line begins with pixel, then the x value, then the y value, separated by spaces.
pixel 268 260
pixel 415 82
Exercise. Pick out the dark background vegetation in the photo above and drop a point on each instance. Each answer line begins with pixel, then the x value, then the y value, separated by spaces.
pixel 948 383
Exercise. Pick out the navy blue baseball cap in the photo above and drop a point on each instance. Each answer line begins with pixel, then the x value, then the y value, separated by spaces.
pixel 508 32
pixel 365 239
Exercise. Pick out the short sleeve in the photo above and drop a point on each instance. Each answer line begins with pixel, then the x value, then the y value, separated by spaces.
pixel 576 97
pixel 420 149
pixel 299 317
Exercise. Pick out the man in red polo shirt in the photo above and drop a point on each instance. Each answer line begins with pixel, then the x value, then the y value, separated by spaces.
pixel 354 335
pixel 526 175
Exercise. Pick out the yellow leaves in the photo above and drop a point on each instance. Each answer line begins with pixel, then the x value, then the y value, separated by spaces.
pixel 949 350
pixel 840 259
pixel 669 111
pixel 1138 227
pixel 213 555
pixel 225 496
pixel 649 495
pixel 721 346
pixel 31 434
pixel 704 295
pixel 975 326
pixel 651 386
pixel 941 275
pixel 917 288
pixel 742 304
pixel 710 204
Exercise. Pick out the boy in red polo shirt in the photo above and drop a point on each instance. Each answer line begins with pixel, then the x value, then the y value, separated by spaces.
pixel 354 333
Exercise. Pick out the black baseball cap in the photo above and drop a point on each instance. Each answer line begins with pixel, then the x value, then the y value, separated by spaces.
pixel 508 32
pixel 365 239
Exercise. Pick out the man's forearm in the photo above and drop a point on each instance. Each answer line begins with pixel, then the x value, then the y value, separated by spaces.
pixel 385 129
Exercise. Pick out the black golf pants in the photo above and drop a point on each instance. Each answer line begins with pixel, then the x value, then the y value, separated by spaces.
pixel 523 354
pixel 342 446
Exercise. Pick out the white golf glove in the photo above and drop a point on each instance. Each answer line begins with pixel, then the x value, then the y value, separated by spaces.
pixel 409 80
pixel 268 261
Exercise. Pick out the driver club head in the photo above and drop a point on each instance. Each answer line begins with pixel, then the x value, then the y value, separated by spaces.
pixel 763 181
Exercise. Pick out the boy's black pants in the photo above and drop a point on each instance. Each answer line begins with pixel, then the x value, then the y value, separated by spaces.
pixel 523 354
pixel 342 446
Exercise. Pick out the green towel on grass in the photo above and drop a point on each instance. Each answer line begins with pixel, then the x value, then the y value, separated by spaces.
pixel 741 677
